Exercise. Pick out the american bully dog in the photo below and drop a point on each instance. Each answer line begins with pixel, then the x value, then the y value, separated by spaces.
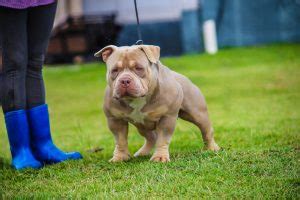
pixel 142 91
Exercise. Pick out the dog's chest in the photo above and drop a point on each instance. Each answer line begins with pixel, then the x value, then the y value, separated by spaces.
pixel 137 116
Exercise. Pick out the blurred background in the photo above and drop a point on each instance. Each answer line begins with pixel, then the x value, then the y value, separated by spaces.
pixel 177 26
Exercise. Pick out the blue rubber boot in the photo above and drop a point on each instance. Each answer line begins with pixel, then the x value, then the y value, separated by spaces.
pixel 18 136
pixel 41 142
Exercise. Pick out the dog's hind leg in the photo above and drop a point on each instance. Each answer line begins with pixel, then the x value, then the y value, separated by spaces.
pixel 194 110
pixel 201 120
pixel 150 139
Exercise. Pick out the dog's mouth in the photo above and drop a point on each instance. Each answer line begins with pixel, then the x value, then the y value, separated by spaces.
pixel 131 92
pixel 128 93
pixel 128 96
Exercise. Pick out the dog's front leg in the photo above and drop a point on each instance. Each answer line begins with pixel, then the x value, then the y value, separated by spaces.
pixel 164 130
pixel 120 131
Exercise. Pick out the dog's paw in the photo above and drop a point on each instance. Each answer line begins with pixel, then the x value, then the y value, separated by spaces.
pixel 160 158
pixel 120 157
pixel 212 147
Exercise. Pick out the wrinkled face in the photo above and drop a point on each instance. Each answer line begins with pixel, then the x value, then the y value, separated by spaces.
pixel 130 74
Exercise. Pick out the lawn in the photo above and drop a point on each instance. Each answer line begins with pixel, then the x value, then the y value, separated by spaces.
pixel 253 95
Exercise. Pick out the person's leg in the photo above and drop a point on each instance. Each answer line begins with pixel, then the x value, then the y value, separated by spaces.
pixel 13 92
pixel 14 45
pixel 40 21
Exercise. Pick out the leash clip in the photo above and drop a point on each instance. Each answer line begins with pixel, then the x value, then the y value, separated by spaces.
pixel 139 42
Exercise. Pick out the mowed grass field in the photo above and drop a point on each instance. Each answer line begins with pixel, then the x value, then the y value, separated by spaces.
pixel 253 96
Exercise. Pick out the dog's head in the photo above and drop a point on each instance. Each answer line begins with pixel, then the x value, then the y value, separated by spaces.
pixel 132 71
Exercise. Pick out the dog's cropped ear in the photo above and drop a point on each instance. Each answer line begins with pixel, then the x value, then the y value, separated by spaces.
pixel 152 52
pixel 106 52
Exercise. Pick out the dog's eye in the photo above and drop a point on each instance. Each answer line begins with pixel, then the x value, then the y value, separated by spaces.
pixel 139 68
pixel 140 71
pixel 115 70
pixel 114 73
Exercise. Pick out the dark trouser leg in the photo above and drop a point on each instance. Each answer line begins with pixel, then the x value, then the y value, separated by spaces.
pixel 14 44
pixel 40 22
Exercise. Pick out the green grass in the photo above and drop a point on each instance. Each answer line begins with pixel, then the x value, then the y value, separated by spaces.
pixel 253 95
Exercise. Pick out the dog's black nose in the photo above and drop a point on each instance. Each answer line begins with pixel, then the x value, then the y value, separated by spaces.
pixel 125 82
